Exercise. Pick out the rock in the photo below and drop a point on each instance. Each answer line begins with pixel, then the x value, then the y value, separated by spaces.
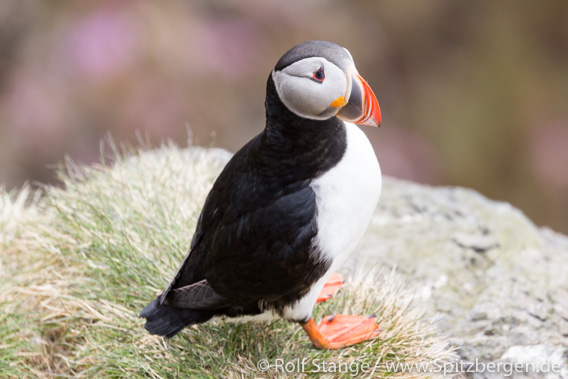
pixel 495 283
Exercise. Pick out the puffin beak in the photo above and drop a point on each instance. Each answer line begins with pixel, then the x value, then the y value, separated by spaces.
pixel 362 107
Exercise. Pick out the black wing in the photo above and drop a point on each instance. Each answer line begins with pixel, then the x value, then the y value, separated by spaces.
pixel 255 236
pixel 267 253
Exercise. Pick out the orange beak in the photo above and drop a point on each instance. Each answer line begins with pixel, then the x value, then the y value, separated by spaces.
pixel 362 107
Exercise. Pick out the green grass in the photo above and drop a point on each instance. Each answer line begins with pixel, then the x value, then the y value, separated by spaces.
pixel 78 263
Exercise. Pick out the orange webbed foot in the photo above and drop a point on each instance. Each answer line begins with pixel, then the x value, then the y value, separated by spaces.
pixel 333 284
pixel 338 331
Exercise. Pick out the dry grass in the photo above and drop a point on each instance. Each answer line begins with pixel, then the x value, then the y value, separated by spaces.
pixel 79 263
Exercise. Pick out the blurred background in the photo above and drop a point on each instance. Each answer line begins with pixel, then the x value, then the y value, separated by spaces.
pixel 473 93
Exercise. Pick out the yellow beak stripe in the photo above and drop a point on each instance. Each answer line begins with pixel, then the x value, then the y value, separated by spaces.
pixel 339 102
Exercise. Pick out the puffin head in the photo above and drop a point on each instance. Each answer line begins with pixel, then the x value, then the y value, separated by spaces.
pixel 318 80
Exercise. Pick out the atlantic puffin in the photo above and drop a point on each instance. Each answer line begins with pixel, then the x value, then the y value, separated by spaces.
pixel 288 208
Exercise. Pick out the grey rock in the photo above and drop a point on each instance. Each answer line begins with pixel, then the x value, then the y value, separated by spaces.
pixel 495 283
pixel 492 281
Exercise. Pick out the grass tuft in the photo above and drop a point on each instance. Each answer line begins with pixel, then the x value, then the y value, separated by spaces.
pixel 79 263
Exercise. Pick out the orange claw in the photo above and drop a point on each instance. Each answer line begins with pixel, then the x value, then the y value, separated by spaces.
pixel 338 331
pixel 333 284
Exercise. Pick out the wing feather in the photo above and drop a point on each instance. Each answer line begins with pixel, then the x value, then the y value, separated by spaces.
pixel 199 295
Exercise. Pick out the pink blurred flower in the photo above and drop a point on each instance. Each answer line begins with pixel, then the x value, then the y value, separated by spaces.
pixel 229 46
pixel 101 44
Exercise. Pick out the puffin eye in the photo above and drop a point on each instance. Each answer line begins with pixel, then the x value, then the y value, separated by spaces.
pixel 318 75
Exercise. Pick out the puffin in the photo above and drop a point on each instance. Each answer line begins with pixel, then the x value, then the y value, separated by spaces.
pixel 288 208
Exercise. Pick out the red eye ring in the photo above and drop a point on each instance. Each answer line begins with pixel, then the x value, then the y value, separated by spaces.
pixel 319 75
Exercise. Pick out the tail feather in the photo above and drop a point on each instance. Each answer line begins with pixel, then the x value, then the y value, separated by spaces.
pixel 165 320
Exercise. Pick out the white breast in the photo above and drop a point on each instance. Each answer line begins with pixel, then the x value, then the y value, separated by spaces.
pixel 346 198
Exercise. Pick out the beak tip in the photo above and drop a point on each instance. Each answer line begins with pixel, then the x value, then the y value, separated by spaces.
pixel 362 108
pixel 369 122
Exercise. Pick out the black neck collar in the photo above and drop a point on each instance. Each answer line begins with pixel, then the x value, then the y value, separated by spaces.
pixel 310 146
